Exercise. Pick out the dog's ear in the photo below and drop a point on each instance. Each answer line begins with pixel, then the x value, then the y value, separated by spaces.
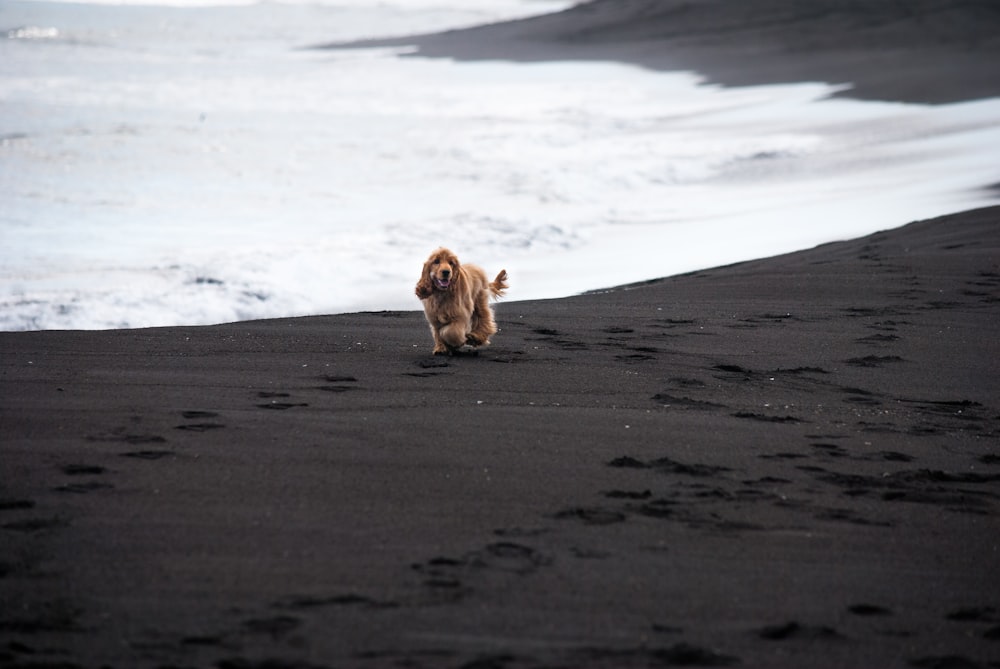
pixel 424 287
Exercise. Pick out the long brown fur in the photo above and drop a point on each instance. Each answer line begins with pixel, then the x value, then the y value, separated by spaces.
pixel 456 300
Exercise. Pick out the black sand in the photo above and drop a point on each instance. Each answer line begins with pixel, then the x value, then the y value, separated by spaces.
pixel 925 51
pixel 787 462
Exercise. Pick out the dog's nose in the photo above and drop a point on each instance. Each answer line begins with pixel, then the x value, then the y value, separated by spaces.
pixel 445 273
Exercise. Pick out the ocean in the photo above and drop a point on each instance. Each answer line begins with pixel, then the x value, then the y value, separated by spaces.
pixel 189 163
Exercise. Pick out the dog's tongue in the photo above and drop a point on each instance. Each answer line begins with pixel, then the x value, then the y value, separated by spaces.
pixel 443 283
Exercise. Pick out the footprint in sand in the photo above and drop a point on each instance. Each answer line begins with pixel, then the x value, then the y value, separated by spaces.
pixel 83 470
pixel 591 515
pixel 338 383
pixel 974 614
pixel 766 418
pixel 869 610
pixel 85 487
pixel 794 630
pixel 275 627
pixel 445 577
pixel 683 402
pixel 874 360
pixel 274 404
pixel 282 406
pixel 16 504
pixel 305 602
pixel 134 439
pixel 199 427
pixel 148 455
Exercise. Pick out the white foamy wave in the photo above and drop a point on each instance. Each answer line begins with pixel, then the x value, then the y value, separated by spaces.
pixel 374 269
pixel 134 297
pixel 191 166
pixel 436 14
pixel 32 33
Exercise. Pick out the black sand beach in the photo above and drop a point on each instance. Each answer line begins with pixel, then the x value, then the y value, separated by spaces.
pixel 786 462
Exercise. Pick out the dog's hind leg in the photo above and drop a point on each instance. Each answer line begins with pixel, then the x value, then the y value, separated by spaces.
pixel 483 325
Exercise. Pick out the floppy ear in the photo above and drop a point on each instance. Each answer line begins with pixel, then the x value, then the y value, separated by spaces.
pixel 458 275
pixel 424 287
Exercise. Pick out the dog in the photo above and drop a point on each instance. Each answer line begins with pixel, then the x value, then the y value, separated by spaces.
pixel 456 299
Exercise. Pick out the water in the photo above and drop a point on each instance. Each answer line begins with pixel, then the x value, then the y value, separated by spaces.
pixel 185 164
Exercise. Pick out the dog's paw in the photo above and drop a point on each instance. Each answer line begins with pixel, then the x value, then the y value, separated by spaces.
pixel 475 339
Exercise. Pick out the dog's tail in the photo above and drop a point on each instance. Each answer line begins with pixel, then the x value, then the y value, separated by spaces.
pixel 499 284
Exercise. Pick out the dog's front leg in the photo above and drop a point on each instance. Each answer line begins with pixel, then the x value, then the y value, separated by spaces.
pixel 452 336
pixel 439 345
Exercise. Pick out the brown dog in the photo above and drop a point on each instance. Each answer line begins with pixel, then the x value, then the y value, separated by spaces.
pixel 456 301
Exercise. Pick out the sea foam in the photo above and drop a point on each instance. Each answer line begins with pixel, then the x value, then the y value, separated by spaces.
pixel 199 164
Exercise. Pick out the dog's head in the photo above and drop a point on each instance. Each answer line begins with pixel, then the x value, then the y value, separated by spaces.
pixel 440 273
pixel 442 269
